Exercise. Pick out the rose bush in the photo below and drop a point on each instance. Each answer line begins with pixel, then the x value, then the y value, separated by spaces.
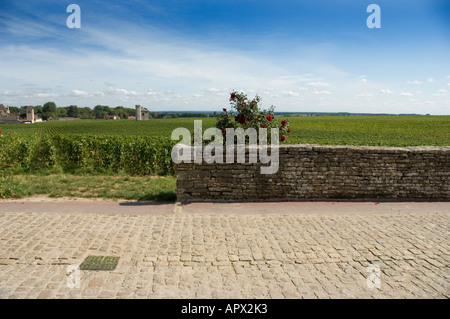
pixel 246 113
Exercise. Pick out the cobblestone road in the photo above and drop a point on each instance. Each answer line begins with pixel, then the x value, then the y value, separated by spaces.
pixel 227 255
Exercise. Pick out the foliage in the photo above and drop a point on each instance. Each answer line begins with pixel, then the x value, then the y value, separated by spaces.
pixel 247 114
pixel 133 155
pixel 5 191
pixel 49 110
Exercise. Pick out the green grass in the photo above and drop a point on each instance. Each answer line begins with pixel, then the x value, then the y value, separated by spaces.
pixel 149 188
pixel 100 263
pixel 327 130
pixel 371 130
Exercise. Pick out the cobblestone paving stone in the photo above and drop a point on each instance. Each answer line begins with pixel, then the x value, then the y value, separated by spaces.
pixel 226 255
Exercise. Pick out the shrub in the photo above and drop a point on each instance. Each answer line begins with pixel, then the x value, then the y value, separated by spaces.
pixel 246 114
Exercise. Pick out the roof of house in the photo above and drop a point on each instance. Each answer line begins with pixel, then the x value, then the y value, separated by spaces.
pixel 9 117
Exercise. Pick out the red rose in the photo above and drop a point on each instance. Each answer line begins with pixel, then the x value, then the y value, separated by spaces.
pixel 283 122
pixel 289 131
pixel 264 125
pixel 283 138
pixel 269 117
pixel 224 109
pixel 242 119
pixel 223 132
pixel 233 96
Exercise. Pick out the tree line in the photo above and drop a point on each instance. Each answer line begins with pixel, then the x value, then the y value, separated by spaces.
pixel 50 110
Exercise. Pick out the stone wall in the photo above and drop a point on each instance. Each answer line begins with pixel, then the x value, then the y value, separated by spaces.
pixel 313 172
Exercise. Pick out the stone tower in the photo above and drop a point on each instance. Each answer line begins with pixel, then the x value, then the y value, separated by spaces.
pixel 30 114
pixel 138 113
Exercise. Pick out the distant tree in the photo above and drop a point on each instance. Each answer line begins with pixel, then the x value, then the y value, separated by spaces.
pixel 72 111
pixel 49 107
pixel 120 112
pixel 130 111
pixel 61 112
pixel 86 113
pixel 101 110
pixel 13 109
pixel 38 110
pixel 49 110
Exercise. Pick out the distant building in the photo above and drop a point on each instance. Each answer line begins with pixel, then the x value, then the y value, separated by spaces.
pixel 28 117
pixel 64 119
pixel 142 114
pixel 3 110
pixel 6 117
pixel 131 117
pixel 110 117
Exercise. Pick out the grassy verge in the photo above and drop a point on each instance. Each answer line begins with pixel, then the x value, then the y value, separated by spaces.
pixel 152 188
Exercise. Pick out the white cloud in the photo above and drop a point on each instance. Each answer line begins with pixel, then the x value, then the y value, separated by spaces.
pixel 406 94
pixel 441 92
pixel 290 93
pixel 79 93
pixel 365 95
pixel 122 92
pixel 323 92
pixel 430 80
pixel 414 82
pixel 386 91
pixel 363 78
pixel 318 84
pixel 214 90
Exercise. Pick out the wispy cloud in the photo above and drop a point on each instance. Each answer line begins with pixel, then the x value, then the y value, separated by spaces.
pixel 318 84
pixel 365 95
pixel 323 93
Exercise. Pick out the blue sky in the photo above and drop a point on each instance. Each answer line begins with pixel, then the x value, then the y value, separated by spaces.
pixel 188 55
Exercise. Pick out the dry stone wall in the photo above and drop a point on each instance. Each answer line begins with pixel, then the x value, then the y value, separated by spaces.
pixel 315 172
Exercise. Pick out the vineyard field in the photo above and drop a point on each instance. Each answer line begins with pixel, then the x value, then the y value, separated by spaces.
pixel 332 130
pixel 144 147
